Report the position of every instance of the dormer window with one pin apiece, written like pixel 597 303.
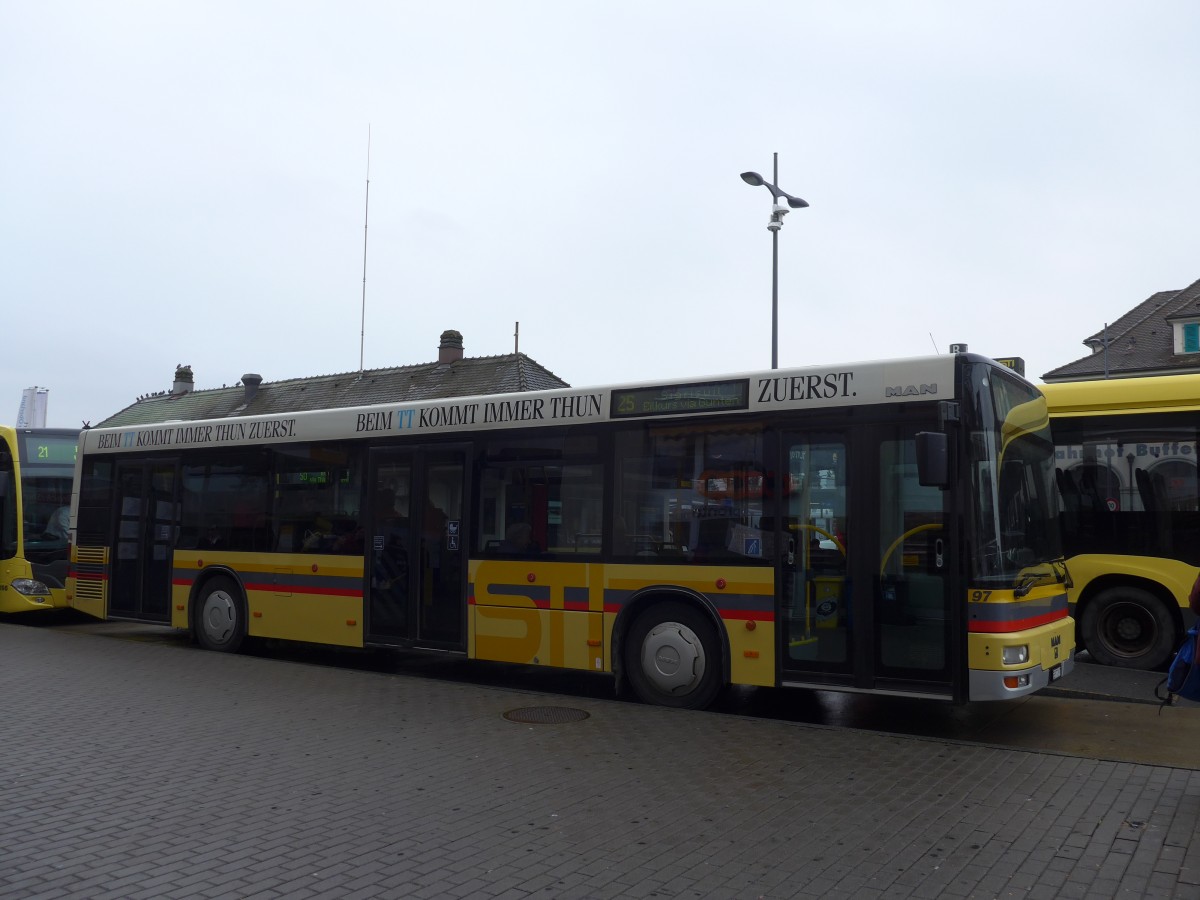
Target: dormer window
pixel 1187 337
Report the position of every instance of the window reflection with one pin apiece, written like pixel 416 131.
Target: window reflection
pixel 692 493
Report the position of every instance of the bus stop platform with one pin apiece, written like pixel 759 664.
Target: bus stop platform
pixel 143 769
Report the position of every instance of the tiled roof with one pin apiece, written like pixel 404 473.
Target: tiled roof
pixel 1141 342
pixel 425 381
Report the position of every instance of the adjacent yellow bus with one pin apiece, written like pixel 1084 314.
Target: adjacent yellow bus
pixel 883 527
pixel 1126 461
pixel 36 468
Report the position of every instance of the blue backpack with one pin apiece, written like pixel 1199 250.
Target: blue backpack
pixel 1183 675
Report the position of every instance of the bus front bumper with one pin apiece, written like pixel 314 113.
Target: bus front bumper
pixel 988 685
pixel 24 594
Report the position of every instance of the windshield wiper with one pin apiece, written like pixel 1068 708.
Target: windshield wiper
pixel 1030 580
pixel 1028 583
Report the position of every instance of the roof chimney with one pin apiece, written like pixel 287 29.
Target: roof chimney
pixel 251 382
pixel 451 348
pixel 183 381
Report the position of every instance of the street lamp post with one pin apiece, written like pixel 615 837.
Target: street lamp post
pixel 778 211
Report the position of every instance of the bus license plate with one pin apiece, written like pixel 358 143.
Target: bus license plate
pixel 1056 672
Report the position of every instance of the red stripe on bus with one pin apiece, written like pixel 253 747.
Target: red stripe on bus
pixel 614 608
pixel 297 589
pixel 1016 624
pixel 283 589
pixel 755 615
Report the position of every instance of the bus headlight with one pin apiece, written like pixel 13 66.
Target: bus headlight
pixel 1014 656
pixel 29 586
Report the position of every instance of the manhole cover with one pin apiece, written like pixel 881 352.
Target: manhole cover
pixel 545 715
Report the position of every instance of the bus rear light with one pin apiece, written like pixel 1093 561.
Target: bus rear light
pixel 1015 656
pixel 1013 682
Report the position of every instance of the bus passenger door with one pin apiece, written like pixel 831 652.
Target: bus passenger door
pixel 864 565
pixel 915 620
pixel 147 511
pixel 818 540
pixel 416 559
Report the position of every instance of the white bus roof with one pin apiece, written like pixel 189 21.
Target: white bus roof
pixel 822 387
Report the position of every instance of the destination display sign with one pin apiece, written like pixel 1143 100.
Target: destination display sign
pixel 48 449
pixel 678 399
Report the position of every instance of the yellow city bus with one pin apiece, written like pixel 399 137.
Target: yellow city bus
pixel 883 527
pixel 1126 453
pixel 36 468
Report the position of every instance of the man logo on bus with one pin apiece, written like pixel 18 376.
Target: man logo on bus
pixel 910 391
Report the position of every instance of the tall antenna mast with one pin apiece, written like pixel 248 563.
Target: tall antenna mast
pixel 362 335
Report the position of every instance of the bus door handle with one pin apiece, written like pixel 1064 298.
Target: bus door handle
pixel 939 553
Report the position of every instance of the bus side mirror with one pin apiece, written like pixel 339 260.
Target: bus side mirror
pixel 933 463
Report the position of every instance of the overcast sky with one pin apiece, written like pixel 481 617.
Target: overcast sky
pixel 186 183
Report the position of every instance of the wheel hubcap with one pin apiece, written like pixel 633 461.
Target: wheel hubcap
pixel 218 617
pixel 673 658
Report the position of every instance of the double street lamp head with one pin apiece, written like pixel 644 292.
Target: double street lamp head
pixel 773 225
pixel 755 180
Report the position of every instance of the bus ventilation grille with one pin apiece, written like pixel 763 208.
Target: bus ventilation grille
pixel 91 564
pixel 97 556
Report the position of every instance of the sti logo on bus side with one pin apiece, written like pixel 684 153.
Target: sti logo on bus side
pixel 910 391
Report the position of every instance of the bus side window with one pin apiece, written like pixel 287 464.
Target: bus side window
pixel 542 495
pixel 8 515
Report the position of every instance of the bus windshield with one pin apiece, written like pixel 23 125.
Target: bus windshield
pixel 47 469
pixel 36 477
pixel 1014 523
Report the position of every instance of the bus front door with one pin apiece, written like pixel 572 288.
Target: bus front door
pixel 147 511
pixel 866 566
pixel 415 578
pixel 916 623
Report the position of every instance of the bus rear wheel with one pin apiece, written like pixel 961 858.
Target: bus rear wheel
pixel 1128 627
pixel 221 617
pixel 673 658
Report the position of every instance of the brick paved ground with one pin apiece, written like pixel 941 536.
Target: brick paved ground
pixel 138 770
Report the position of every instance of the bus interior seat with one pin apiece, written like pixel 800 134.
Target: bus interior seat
pixel 1162 497
pixel 1089 489
pixel 1068 489
pixel 1146 490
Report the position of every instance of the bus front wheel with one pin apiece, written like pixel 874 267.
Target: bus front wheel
pixel 673 658
pixel 221 618
pixel 1128 627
